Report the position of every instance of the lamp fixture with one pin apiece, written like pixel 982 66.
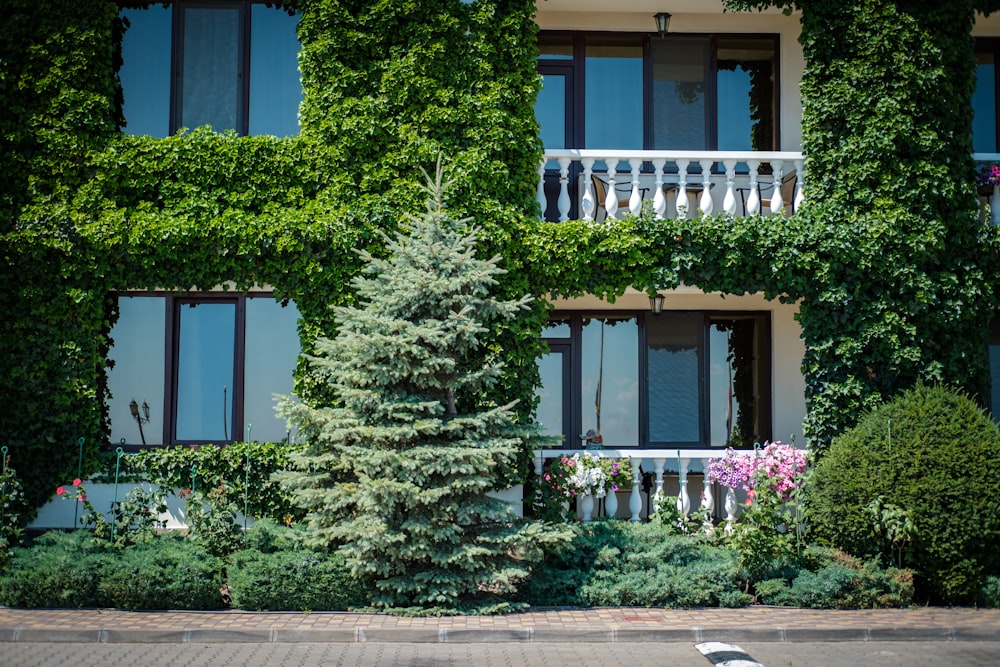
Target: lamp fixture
pixel 662 23
pixel 133 408
pixel 656 303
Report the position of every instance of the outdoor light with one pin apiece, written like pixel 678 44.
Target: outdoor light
pixel 133 407
pixel 656 304
pixel 662 25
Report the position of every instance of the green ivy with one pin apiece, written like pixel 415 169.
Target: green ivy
pixel 892 271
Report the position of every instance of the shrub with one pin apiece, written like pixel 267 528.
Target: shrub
pixel 930 459
pixel 989 594
pixel 170 572
pixel 58 570
pixel 833 580
pixel 293 581
pixel 618 563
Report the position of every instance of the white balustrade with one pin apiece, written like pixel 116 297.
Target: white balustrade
pixel 654 461
pixel 701 182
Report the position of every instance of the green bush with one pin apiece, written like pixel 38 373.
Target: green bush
pixel 930 459
pixel 58 570
pixel 170 572
pixel 834 580
pixel 619 563
pixel 76 570
pixel 989 594
pixel 292 581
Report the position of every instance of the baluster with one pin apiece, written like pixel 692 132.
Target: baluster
pixel 611 197
pixel 658 494
pixel 706 204
pixel 635 198
pixel 659 199
pixel 539 463
pixel 707 502
pixel 611 504
pixel 540 195
pixel 730 509
pixel 683 499
pixel 995 205
pixel 800 196
pixel 588 203
pixel 753 197
pixel 564 189
pixel 682 204
pixel 634 499
pixel 777 205
pixel 729 203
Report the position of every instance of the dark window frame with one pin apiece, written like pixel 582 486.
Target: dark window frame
pixel 572 348
pixel 172 305
pixel 176 56
pixel 576 115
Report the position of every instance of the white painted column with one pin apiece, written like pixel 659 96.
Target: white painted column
pixel 659 199
pixel 729 202
pixel 588 203
pixel 707 205
pixel 564 202
pixel 683 499
pixel 658 495
pixel 635 500
pixel 635 198
pixel 682 204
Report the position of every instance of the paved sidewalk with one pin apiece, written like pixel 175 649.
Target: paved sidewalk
pixel 621 624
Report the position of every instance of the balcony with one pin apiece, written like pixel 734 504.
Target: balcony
pixel 593 184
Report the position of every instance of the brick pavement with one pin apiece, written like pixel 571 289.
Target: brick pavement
pixel 597 625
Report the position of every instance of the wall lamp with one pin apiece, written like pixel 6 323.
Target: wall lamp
pixel 133 407
pixel 662 23
pixel 656 303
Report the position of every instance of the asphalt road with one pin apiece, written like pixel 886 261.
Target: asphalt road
pixel 514 654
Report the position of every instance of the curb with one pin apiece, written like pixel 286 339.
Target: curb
pixel 427 635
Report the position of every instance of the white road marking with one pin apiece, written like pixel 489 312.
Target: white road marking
pixel 726 655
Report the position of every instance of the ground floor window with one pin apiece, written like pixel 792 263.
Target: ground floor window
pixel 200 368
pixel 673 380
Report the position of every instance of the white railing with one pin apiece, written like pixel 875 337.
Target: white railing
pixel 678 173
pixel 658 462
pixel 993 199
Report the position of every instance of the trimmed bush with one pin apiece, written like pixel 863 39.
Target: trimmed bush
pixel 619 563
pixel 59 570
pixel 989 594
pixel 293 581
pixel 916 481
pixel 835 580
pixel 170 572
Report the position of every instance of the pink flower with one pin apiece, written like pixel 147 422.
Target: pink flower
pixel 77 482
pixel 82 498
pixel 60 490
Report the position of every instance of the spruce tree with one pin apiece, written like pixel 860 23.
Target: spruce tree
pixel 399 469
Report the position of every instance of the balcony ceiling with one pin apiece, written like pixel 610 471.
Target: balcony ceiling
pixel 631 6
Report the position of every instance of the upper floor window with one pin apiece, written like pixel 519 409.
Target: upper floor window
pixel 200 368
pixel 674 380
pixel 231 64
pixel 984 99
pixel 635 91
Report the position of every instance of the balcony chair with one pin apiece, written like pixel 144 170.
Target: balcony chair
pixel 788 182
pixel 601 193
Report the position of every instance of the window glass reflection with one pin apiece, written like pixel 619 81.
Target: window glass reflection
pixel 609 380
pixel 137 373
pixel 550 394
pixel 272 350
pixel 145 71
pixel 680 72
pixel 984 108
pixel 211 69
pixel 614 93
pixel 674 359
pixel 275 86
pixel 205 371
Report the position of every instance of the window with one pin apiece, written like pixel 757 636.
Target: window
pixel 200 368
pixel 674 380
pixel 984 99
pixel 634 91
pixel 233 65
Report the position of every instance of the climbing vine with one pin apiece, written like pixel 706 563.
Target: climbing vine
pixel 892 270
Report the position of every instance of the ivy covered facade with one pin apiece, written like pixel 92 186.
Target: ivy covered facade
pixel 884 271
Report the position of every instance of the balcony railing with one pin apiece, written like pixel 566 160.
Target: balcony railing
pixel 678 183
pixel 992 199
pixel 662 463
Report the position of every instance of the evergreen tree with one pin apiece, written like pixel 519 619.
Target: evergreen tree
pixel 399 470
